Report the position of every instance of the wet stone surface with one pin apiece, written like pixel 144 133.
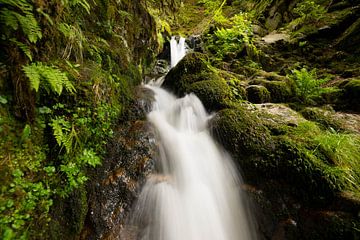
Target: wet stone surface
pixel 115 185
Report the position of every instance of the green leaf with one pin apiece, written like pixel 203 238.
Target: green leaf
pixel 26 132
pixel 3 100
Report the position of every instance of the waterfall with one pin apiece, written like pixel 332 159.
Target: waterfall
pixel 194 195
pixel 177 50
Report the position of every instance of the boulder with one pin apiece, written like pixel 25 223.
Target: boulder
pixel 214 94
pixel 192 68
pixel 257 94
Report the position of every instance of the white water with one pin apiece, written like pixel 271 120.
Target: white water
pixel 177 49
pixel 195 194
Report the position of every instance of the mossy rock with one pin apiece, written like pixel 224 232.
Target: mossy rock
pixel 280 91
pixel 214 94
pixel 323 117
pixel 192 68
pixel 257 94
pixel 242 134
pixel 68 215
pixel 349 40
pixel 351 94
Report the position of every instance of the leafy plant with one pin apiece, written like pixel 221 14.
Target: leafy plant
pixel 309 11
pixel 74 40
pixel 53 77
pixel 307 85
pixel 18 14
pixel 64 133
pixel 234 39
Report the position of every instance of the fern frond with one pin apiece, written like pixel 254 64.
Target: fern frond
pixel 23 47
pixel 52 75
pixel 30 27
pixel 62 133
pixel 8 18
pixel 83 3
pixel 34 76
pixel 22 16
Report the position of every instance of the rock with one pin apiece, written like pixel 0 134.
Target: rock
pixel 325 118
pixel 330 225
pixel 279 114
pixel 214 94
pixel 275 37
pixel 241 132
pixel 350 39
pixel 259 30
pixel 195 42
pixel 192 68
pixel 161 67
pixel 257 94
pixel 274 21
pixel 351 94
pixel 280 91
pixel 119 179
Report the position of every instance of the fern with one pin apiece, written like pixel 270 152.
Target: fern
pixel 20 13
pixel 82 3
pixel 37 72
pixel 23 47
pixel 63 132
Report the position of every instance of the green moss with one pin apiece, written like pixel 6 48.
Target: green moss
pixel 192 68
pixel 280 91
pixel 323 117
pixel 213 94
pixel 328 159
pixel 242 133
pixel 257 94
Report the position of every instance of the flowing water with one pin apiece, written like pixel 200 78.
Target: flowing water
pixel 177 49
pixel 195 193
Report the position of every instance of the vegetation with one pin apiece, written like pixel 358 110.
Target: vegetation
pixel 66 76
pixel 307 86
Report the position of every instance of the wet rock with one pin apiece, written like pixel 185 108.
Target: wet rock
pixel 161 68
pixel 257 94
pixel 195 42
pixel 116 184
pixel 214 94
pixel 192 68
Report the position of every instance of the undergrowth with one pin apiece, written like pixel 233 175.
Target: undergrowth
pixel 66 77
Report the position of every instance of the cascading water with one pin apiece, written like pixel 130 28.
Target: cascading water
pixel 177 49
pixel 195 194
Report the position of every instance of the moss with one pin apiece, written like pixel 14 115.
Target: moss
pixel 322 117
pixel 280 91
pixel 192 68
pixel 69 216
pixel 315 162
pixel 257 94
pixel 213 94
pixel 242 134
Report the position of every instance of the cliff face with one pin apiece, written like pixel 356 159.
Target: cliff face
pixel 67 80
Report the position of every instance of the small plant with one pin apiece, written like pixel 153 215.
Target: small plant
pixel 309 11
pixel 234 39
pixel 308 85
pixel 54 78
